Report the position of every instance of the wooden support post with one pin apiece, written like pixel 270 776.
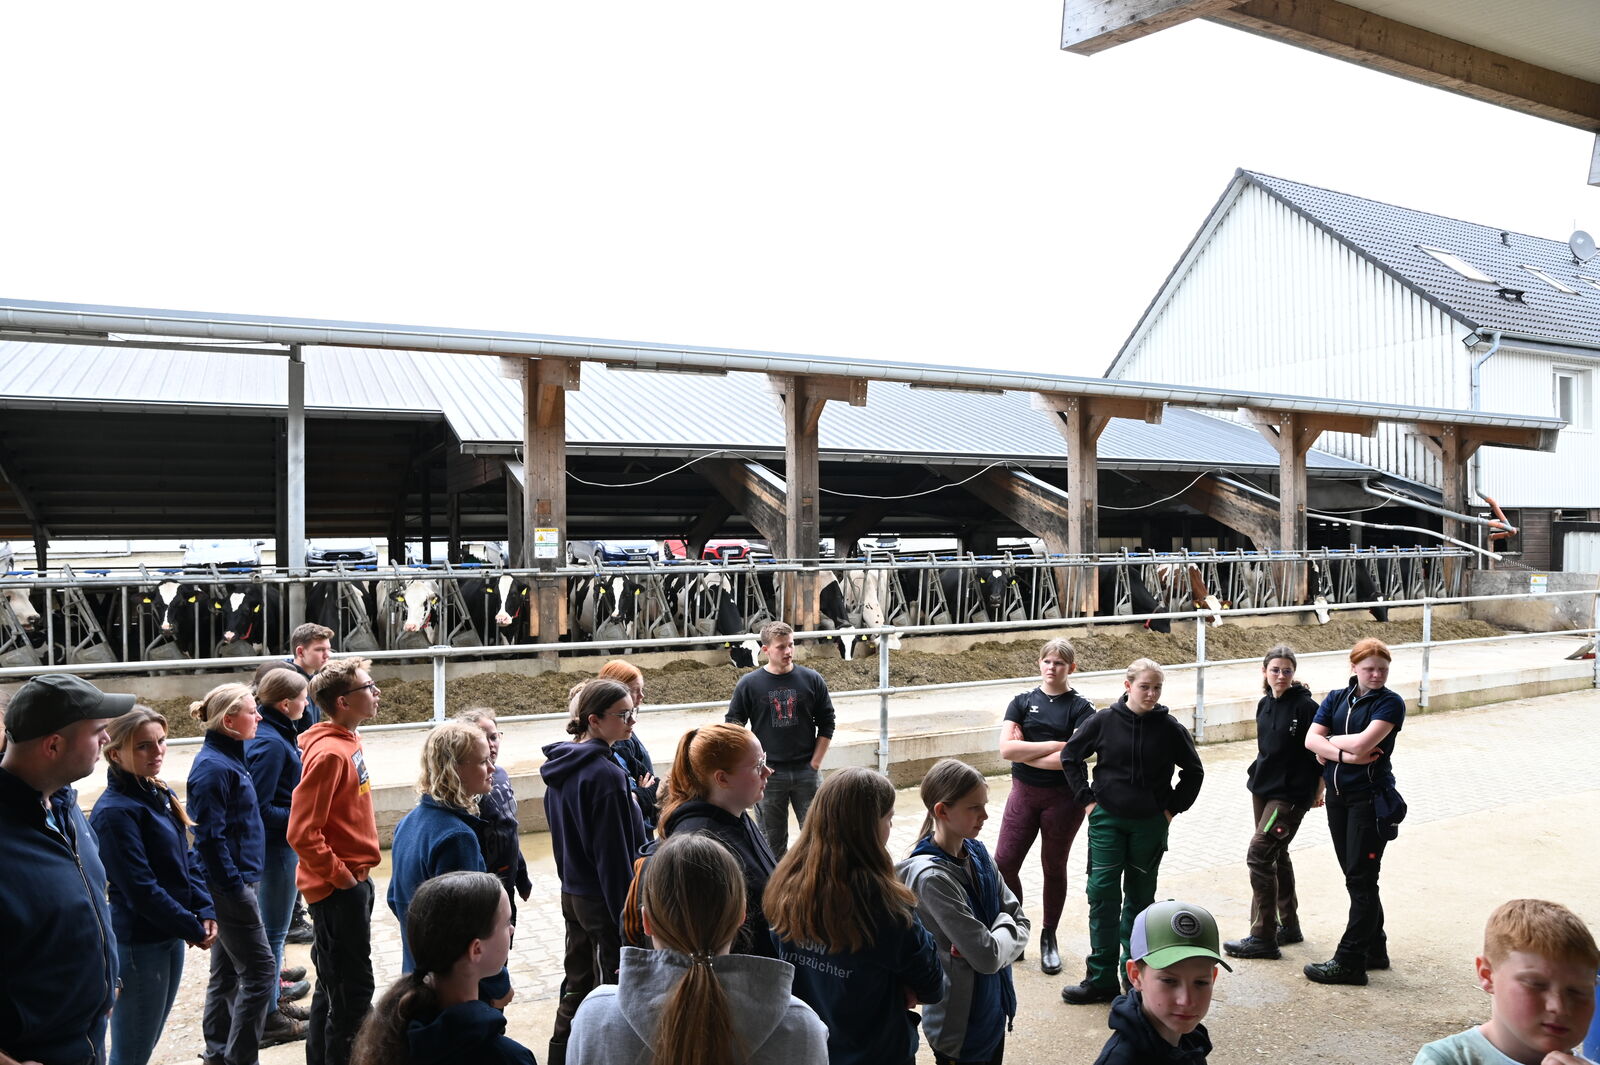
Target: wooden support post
pixel 517 547
pixel 803 399
pixel 1453 446
pixel 705 527
pixel 1081 420
pixel 1238 510
pixel 754 491
pixel 545 383
pixel 452 512
pixel 1039 507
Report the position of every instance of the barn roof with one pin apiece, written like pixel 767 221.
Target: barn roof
pixel 614 412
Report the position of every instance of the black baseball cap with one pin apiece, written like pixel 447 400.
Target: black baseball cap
pixel 50 703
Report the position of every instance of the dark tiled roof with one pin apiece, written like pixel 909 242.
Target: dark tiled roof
pixel 1389 235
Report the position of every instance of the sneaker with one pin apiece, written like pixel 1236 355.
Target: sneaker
pixel 1086 994
pixel 294 974
pixel 294 992
pixel 1289 934
pixel 289 1009
pixel 281 1029
pixel 1331 972
pixel 1049 956
pixel 1251 947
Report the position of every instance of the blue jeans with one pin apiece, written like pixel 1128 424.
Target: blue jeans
pixel 277 892
pixel 150 974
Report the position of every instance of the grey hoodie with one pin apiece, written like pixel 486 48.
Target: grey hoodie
pixel 616 1024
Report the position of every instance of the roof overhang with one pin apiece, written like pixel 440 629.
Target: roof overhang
pixel 1539 57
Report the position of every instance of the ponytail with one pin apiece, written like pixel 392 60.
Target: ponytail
pixel 383 1038
pixel 120 731
pixel 695 897
pixel 701 753
pixel 947 782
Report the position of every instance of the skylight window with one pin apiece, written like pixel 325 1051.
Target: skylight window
pixel 1458 264
pixel 1547 279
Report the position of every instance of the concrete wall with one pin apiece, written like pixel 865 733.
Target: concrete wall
pixel 1533 612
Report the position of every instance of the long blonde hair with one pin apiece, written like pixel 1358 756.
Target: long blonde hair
pixel 837 881
pixel 121 730
pixel 218 702
pixel 446 747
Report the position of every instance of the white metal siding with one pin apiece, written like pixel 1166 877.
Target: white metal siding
pixel 1274 304
pixel 1580 552
pixel 1518 382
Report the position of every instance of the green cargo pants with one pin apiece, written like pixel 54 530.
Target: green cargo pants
pixel 1124 856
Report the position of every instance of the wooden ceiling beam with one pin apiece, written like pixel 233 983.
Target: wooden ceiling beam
pixel 1346 32
pixel 1090 26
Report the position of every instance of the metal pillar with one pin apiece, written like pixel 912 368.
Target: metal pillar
pixel 295 494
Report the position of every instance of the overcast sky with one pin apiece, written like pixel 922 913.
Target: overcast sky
pixel 932 181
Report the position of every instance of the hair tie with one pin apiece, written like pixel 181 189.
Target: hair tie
pixel 701 957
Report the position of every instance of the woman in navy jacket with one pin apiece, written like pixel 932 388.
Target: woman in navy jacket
pixel 243 992
pixel 1354 735
pixel 273 756
pixel 159 900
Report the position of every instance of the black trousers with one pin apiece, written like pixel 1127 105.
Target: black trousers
pixel 996 1058
pixel 1359 847
pixel 594 953
pixel 342 955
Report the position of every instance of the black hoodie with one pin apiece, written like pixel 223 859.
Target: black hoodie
pixel 1136 756
pixel 1283 768
pixel 741 836
pixel 472 1031
pixel 1134 1039
pixel 595 826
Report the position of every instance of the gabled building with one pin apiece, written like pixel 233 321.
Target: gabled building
pixel 1297 289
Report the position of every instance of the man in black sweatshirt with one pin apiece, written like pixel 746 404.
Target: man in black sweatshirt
pixel 789 709
pixel 1138 744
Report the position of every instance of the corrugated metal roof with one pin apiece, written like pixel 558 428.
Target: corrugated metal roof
pixel 1390 236
pixel 617 411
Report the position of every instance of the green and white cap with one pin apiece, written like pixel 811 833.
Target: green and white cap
pixel 1168 932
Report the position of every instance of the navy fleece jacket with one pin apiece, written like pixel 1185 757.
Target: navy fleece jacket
pixel 274 760
pixel 222 803
pixel 472 1031
pixel 158 892
pixel 596 828
pixel 58 954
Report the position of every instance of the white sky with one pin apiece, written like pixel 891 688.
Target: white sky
pixel 932 181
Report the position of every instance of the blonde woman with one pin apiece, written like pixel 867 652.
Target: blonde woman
pixel 441 833
pixel 242 996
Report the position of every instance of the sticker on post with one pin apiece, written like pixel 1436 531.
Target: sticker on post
pixel 545 542
pixel 1538 583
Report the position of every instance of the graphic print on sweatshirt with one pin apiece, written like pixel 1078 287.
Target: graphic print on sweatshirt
pixel 783 703
pixel 363 781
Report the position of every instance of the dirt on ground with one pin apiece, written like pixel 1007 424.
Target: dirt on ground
pixel 689 681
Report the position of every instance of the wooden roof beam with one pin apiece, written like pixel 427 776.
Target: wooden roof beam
pixel 1090 26
pixel 1350 33
pixel 1475 436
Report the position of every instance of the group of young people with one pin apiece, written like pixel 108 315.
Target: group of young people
pixel 694 932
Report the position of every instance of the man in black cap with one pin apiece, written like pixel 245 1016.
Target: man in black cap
pixel 58 968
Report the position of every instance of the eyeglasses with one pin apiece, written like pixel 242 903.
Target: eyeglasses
pixel 761 765
pixel 630 716
pixel 371 686
pixel 496 736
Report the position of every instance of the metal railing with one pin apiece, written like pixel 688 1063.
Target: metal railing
pixel 440 655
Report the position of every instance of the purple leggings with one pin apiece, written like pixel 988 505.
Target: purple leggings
pixel 1031 810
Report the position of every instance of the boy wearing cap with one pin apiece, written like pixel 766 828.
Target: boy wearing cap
pixel 1174 950
pixel 58 968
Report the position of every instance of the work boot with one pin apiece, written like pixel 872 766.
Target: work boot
pixel 299 925
pixel 1332 972
pixel 294 992
pixel 1049 956
pixel 281 1028
pixel 290 1009
pixel 293 974
pixel 1378 959
pixel 1086 994
pixel 1251 947
pixel 1289 934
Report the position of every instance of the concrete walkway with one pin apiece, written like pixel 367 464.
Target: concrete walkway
pixel 1503 802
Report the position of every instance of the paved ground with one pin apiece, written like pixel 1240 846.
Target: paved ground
pixel 1503 803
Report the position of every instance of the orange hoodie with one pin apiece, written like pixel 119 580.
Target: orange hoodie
pixel 331 825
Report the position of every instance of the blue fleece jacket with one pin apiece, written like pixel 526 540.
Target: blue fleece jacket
pixel 274 760
pixel 222 803
pixel 58 953
pixel 433 838
pixel 596 828
pixel 860 995
pixel 158 892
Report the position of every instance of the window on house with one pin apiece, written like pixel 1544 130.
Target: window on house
pixel 1458 264
pixel 1572 397
pixel 1547 279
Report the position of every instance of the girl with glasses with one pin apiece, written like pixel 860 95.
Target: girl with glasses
pixel 596 829
pixel 631 753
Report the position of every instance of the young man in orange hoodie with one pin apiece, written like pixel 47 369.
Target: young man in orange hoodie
pixel 332 830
